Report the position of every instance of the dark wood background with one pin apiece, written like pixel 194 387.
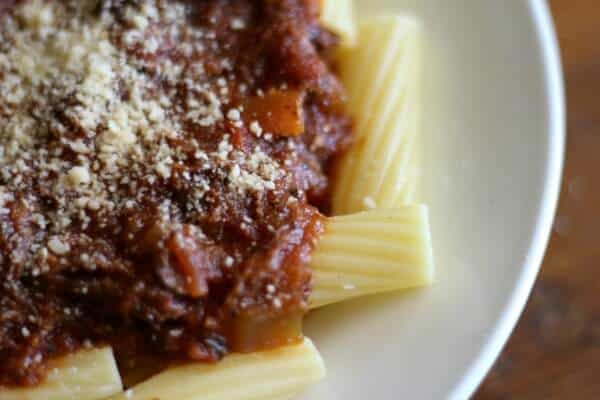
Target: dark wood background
pixel 554 353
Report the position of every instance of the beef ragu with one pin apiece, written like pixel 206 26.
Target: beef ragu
pixel 163 173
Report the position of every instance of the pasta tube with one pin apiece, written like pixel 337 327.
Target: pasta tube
pixel 371 252
pixel 381 76
pixel 85 375
pixel 410 192
pixel 338 15
pixel 274 374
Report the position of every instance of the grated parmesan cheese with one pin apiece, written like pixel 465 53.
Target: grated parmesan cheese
pixel 58 247
pixel 100 128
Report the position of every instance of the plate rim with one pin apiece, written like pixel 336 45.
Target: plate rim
pixel 545 34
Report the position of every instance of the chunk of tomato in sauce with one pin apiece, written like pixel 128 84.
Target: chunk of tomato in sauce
pixel 277 111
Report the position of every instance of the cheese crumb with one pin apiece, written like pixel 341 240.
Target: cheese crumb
pixel 58 247
pixel 79 176
pixel 163 170
pixel 234 114
pixel 237 24
pixel 255 128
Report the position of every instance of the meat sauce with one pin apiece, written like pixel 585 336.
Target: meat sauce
pixel 163 176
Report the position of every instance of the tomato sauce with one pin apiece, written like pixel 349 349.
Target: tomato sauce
pixel 165 197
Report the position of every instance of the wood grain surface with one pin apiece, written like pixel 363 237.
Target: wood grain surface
pixel 554 353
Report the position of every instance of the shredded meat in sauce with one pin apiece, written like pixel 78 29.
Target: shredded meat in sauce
pixel 163 175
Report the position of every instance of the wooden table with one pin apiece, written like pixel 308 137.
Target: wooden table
pixel 554 353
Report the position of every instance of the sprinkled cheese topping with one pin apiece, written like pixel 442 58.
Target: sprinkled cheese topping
pixel 90 117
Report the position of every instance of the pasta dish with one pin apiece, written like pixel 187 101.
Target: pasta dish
pixel 182 181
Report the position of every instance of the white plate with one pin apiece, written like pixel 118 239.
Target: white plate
pixel 494 132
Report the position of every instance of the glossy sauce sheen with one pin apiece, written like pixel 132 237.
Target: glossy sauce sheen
pixel 155 273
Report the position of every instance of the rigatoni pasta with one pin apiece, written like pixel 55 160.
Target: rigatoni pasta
pixel 338 15
pixel 275 374
pixel 410 193
pixel 372 252
pixel 85 375
pixel 383 88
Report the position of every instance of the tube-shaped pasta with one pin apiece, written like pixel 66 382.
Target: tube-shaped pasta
pixel 274 374
pixel 371 252
pixel 338 15
pixel 381 76
pixel 85 375
pixel 410 191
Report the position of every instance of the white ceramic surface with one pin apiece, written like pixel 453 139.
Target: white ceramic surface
pixel 494 133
